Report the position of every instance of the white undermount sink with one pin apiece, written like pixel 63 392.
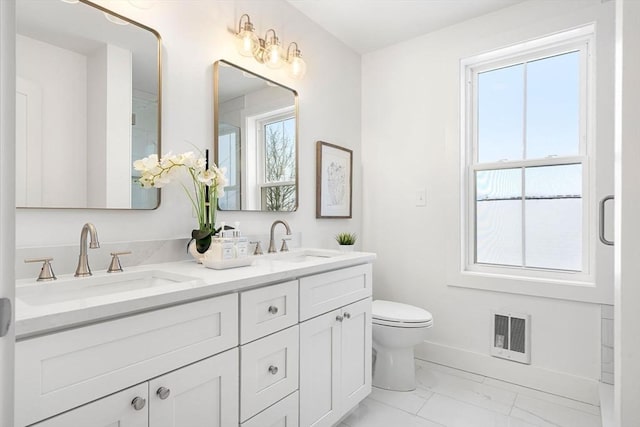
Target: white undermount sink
pixel 305 255
pixel 76 288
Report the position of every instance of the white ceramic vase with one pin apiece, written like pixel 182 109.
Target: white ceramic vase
pixel 194 252
pixel 346 248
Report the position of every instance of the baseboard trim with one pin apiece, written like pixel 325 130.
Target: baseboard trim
pixel 562 384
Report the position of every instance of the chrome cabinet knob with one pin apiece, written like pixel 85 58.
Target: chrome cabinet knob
pixel 138 403
pixel 273 309
pixel 339 318
pixel 163 393
pixel 347 315
pixel 273 370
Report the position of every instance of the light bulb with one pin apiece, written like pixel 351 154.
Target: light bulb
pixel 272 56
pixel 247 43
pixel 297 67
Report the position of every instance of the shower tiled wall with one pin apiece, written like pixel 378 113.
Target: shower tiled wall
pixel 606 374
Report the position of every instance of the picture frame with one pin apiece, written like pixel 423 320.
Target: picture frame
pixel 334 181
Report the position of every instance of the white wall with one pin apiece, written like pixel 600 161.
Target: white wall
pixel 627 233
pixel 7 198
pixel 109 100
pixel 195 34
pixel 61 75
pixel 411 141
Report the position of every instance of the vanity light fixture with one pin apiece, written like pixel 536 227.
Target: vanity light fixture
pixel 297 66
pixel 247 41
pixel 268 50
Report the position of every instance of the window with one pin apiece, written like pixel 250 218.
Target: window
pixel 527 158
pixel 277 163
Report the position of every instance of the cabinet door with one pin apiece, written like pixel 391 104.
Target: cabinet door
pixel 355 382
pixel 204 394
pixel 115 410
pixel 320 370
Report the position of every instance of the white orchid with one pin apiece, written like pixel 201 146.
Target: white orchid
pixel 207 183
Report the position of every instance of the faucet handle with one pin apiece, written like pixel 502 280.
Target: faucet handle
pixel 258 249
pixel 284 247
pixel 46 272
pixel 115 265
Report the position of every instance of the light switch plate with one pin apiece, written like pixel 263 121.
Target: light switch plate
pixel 421 197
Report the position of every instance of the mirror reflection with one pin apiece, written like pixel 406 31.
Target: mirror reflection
pixel 87 105
pixel 256 139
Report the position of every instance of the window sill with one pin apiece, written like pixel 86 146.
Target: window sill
pixel 537 287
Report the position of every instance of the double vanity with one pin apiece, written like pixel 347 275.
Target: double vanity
pixel 283 342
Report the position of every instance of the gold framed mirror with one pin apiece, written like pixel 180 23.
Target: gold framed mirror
pixel 256 140
pixel 88 103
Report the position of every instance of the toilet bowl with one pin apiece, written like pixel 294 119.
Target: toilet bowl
pixel 397 329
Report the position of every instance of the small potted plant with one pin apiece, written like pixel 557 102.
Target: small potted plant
pixel 346 241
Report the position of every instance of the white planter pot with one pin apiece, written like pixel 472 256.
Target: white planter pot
pixel 346 248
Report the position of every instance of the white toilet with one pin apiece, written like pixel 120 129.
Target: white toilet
pixel 397 328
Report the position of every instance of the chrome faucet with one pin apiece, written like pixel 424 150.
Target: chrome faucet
pixel 83 262
pixel 272 244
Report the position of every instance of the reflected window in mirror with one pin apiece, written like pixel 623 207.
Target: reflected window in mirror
pixel 276 162
pixel 256 140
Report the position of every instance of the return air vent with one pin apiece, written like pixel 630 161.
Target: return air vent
pixel 510 337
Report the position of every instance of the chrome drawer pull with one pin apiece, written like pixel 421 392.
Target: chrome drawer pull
pixel 347 315
pixel 273 370
pixel 138 403
pixel 273 309
pixel 163 393
pixel 339 318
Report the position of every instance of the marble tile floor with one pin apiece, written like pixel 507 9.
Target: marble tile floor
pixel 447 397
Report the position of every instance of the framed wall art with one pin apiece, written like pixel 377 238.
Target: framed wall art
pixel 334 173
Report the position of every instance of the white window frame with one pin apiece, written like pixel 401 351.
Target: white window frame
pixel 255 163
pixel 527 280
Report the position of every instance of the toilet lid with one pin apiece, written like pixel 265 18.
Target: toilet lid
pixel 396 312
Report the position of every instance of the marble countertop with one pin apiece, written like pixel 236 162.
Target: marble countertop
pixel 37 318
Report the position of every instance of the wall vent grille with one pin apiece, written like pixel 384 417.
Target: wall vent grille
pixel 510 336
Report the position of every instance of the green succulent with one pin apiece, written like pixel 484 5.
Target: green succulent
pixel 346 238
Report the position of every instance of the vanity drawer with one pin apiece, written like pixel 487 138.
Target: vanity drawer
pixel 267 310
pixel 324 292
pixel 66 369
pixel 268 371
pixel 281 414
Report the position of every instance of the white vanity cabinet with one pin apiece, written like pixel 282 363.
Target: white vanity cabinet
pixel 335 346
pixel 63 370
pixel 293 350
pixel 201 394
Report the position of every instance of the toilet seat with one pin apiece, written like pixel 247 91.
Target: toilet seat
pixel 395 314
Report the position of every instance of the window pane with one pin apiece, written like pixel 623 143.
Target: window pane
pixel 279 150
pixel 553 97
pixel 499 217
pixel 553 212
pixel 500 114
pixel 279 198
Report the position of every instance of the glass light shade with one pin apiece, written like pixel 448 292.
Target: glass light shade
pixel 115 19
pixel 272 56
pixel 297 67
pixel 247 42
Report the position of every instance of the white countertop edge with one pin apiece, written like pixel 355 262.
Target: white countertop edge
pixel 38 320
